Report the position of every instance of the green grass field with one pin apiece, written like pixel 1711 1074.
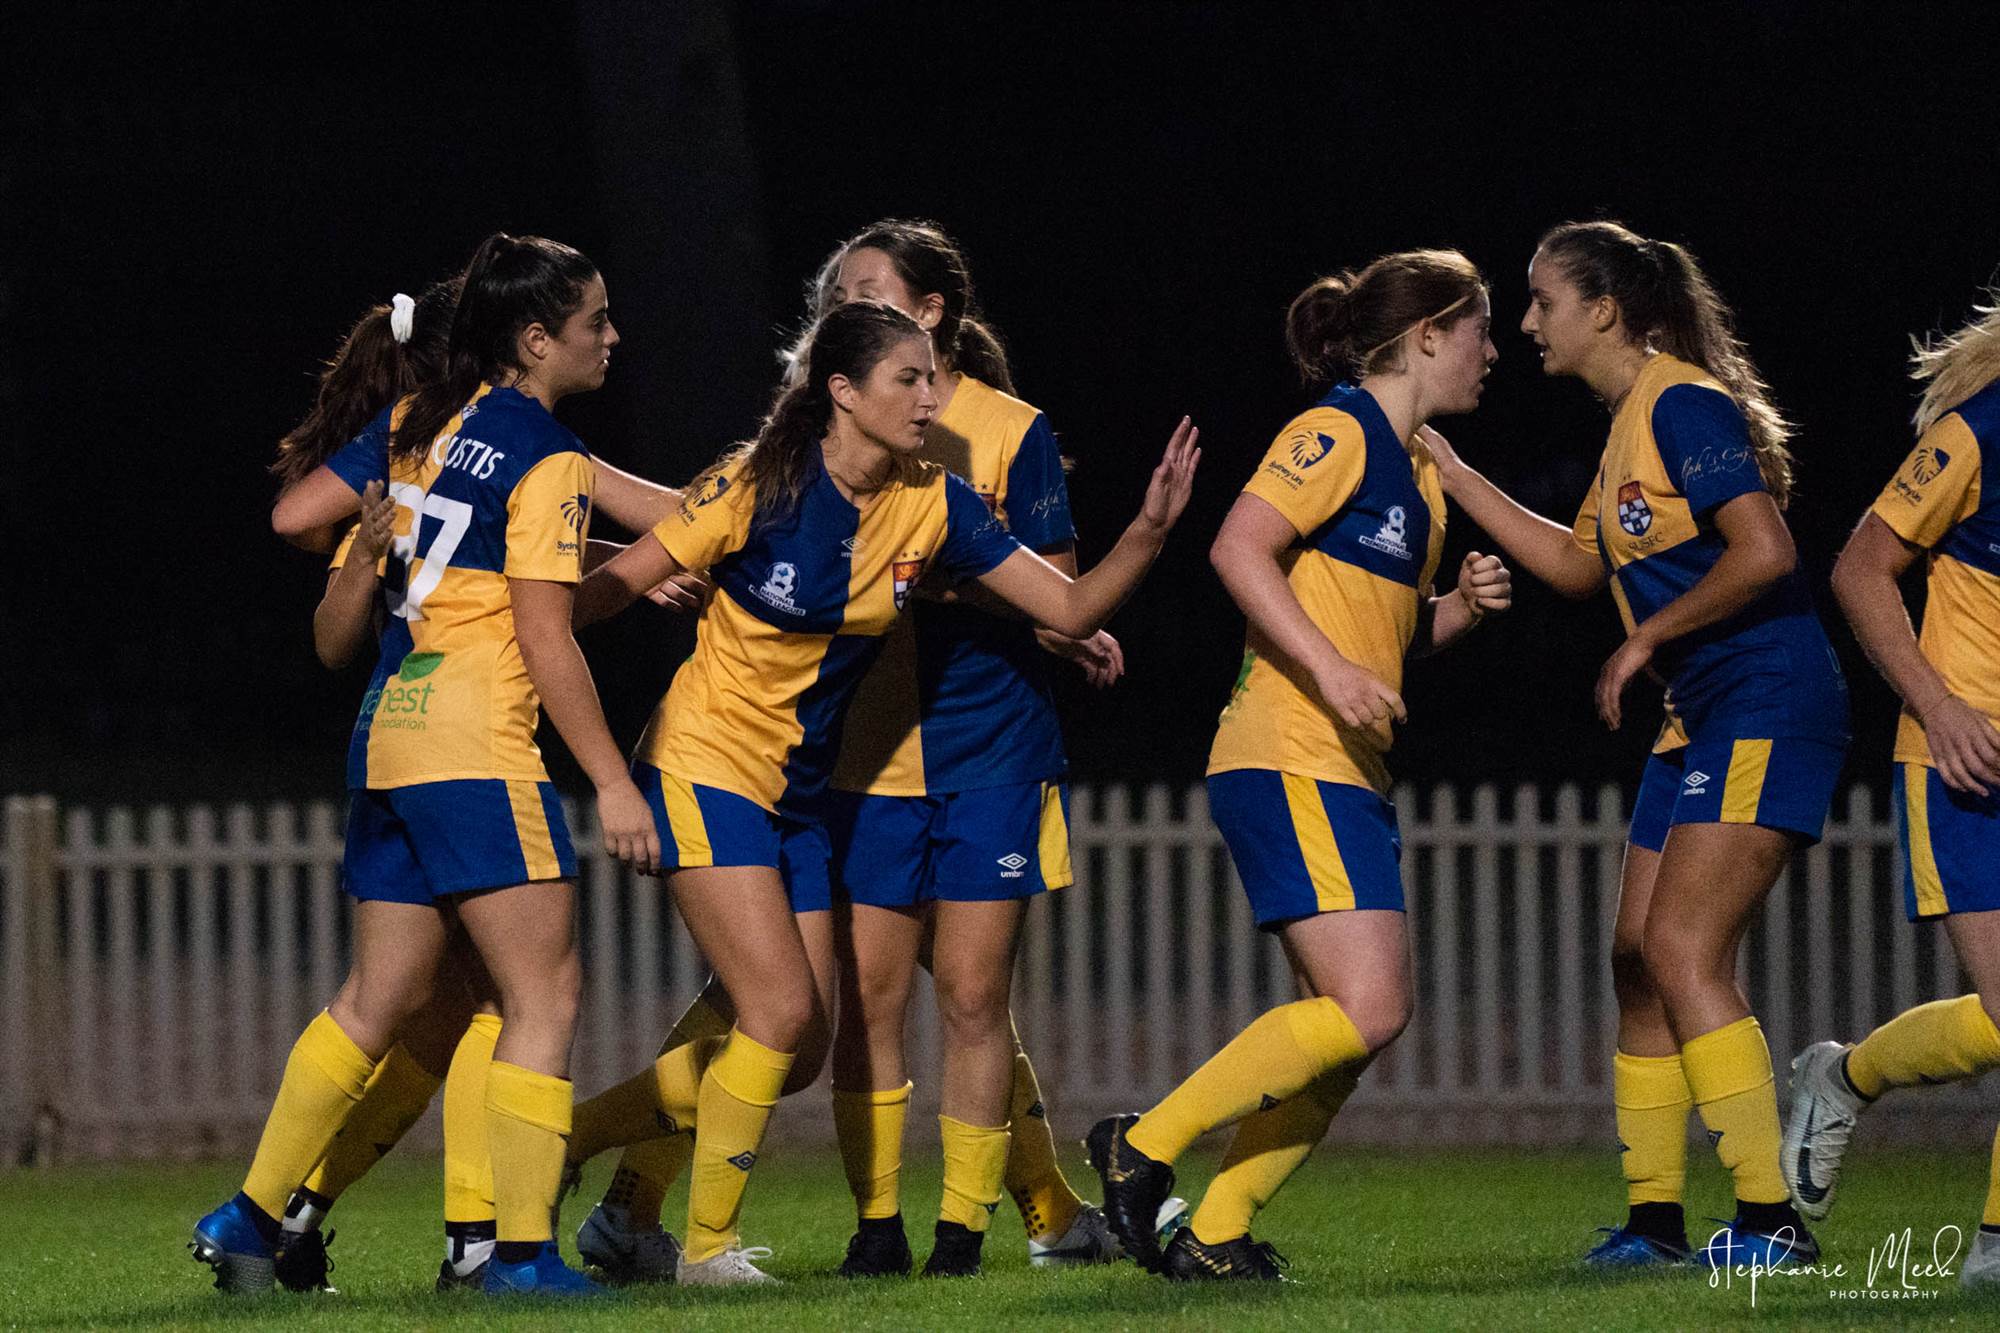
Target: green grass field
pixel 1376 1239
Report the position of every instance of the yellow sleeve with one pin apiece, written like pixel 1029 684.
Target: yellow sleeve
pixel 1584 531
pixel 548 519
pixel 1312 468
pixel 711 522
pixel 1936 488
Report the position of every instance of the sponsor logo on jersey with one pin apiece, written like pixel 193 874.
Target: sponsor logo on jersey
pixel 1929 465
pixel 1390 538
pixel 1013 865
pixel 1695 783
pixel 399 703
pixel 778 587
pixel 1634 514
pixel 906 574
pixel 1309 449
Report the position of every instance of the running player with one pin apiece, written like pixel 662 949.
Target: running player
pixel 816 534
pixel 453 813
pixel 1944 504
pixel 1330 551
pixel 1685 523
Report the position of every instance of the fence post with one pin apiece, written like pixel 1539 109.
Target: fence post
pixel 32 960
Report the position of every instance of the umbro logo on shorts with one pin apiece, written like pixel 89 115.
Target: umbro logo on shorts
pixel 1011 865
pixel 1695 783
pixel 743 1161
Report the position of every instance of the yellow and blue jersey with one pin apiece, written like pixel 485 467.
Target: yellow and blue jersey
pixel 1369 512
pixel 1946 499
pixel 1679 450
pixel 801 605
pixel 960 699
pixel 504 492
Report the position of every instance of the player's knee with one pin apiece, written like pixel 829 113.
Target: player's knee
pixel 1381 1019
pixel 546 997
pixel 778 1016
pixel 974 1006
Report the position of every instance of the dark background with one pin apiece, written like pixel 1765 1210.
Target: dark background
pixel 196 201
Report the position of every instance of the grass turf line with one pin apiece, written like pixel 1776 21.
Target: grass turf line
pixel 1435 1240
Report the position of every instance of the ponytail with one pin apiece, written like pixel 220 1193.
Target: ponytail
pixel 1953 367
pixel 1667 302
pixel 509 284
pixel 980 354
pixel 1353 324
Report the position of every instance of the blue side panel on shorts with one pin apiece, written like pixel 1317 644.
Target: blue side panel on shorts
pixel 1653 810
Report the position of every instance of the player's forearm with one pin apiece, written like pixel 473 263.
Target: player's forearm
pixel 1267 601
pixel 1874 608
pixel 557 670
pixel 1090 599
pixel 1544 547
pixel 631 501
pixel 344 617
pixel 1445 621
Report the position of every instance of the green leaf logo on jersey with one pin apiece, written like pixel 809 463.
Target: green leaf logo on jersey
pixel 1242 682
pixel 418 665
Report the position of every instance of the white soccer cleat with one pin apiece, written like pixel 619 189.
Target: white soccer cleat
pixel 1982 1262
pixel 731 1268
pixel 624 1256
pixel 1090 1239
pixel 1824 1112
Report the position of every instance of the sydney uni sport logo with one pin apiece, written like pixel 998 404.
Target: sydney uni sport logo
pixel 1307 450
pixel 576 511
pixel 1929 465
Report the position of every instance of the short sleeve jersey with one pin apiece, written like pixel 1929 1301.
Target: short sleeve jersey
pixel 801 606
pixel 504 492
pixel 364 458
pixel 1946 499
pixel 1680 450
pixel 960 698
pixel 1369 513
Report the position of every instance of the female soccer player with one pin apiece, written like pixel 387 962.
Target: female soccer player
pixel 1685 523
pixel 452 811
pixel 1943 503
pixel 1330 551
pixel 815 536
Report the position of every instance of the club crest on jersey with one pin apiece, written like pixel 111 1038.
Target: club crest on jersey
pixel 1391 537
pixel 1930 465
pixel 1634 514
pixel 906 573
pixel 778 587
pixel 1309 450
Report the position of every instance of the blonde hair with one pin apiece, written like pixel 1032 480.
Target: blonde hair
pixel 1954 366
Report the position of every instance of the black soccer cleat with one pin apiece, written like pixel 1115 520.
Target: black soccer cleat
pixel 879 1248
pixel 303 1263
pixel 449 1279
pixel 1134 1188
pixel 955 1252
pixel 1188 1260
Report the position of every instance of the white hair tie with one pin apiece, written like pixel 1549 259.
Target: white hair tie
pixel 402 317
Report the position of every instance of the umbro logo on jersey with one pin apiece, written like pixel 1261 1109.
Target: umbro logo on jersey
pixel 1390 538
pixel 851 545
pixel 1695 783
pixel 1012 865
pixel 1634 514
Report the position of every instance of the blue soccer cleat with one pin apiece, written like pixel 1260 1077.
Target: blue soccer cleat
pixel 544 1275
pixel 229 1241
pixel 1735 1243
pixel 1629 1249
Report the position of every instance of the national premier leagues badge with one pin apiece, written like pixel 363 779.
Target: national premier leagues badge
pixel 1634 514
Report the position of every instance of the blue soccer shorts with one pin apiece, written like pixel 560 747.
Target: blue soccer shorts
pixel 1303 847
pixel 1951 845
pixel 427 841
pixel 988 845
pixel 703 826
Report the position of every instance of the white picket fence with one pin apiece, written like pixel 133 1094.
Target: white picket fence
pixel 155 967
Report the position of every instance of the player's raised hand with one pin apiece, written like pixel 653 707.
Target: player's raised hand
pixel 1357 697
pixel 377 525
pixel 1632 657
pixel 1964 746
pixel 1485 583
pixel 1173 480
pixel 682 592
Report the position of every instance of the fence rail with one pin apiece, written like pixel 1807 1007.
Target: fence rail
pixel 156 966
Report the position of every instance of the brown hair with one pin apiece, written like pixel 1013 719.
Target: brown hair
pixel 1667 302
pixel 1349 324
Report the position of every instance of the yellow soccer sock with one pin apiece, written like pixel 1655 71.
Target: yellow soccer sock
pixel 975 1162
pixel 1991 1217
pixel 660 1099
pixel 1652 1100
pixel 1940 1042
pixel 1048 1205
pixel 870 1128
pixel 737 1094
pixel 1270 1060
pixel 1269 1145
pixel 325 1076
pixel 468 1165
pixel 645 1172
pixel 527 1119
pixel 1729 1073
pixel 397 1095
